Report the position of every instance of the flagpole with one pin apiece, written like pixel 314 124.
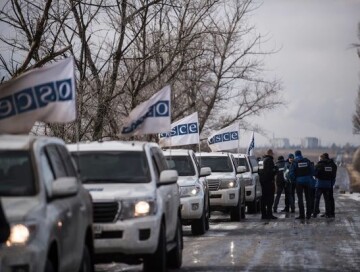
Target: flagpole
pixel 238 148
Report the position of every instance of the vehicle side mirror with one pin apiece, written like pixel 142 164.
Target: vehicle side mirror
pixel 205 171
pixel 65 186
pixel 168 177
pixel 255 169
pixel 240 169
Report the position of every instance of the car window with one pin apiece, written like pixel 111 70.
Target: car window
pixel 66 158
pixel 242 162
pixel 56 161
pixel 47 173
pixel 16 174
pixel 253 162
pixel 183 164
pixel 217 164
pixel 196 162
pixel 112 166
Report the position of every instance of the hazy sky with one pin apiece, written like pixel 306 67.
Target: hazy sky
pixel 317 66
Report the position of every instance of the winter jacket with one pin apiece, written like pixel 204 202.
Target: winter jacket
pixel 280 164
pixel 302 171
pixel 325 173
pixel 267 174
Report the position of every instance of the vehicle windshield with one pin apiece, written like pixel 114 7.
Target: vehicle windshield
pixel 112 167
pixel 16 174
pixel 182 164
pixel 217 164
pixel 242 162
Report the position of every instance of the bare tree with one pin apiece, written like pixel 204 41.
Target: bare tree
pixel 356 116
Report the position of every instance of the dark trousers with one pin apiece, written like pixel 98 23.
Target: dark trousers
pixel 326 192
pixel 289 199
pixel 279 189
pixel 267 201
pixel 301 190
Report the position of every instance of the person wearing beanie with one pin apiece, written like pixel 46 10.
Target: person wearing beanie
pixel 267 182
pixel 302 171
pixel 280 184
pixel 325 173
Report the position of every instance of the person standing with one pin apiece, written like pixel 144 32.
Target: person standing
pixel 290 185
pixel 280 184
pixel 4 226
pixel 301 171
pixel 267 175
pixel 325 173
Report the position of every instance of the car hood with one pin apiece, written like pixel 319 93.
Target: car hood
pixel 187 180
pixel 114 192
pixel 220 175
pixel 17 209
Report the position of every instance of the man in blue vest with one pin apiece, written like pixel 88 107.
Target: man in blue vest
pixel 325 173
pixel 302 171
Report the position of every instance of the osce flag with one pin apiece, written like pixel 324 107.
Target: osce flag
pixel 250 150
pixel 183 132
pixel 151 116
pixel 224 139
pixel 44 94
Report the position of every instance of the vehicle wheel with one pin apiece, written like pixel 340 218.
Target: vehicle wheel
pixel 253 205
pixel 49 267
pixel 157 261
pixel 175 255
pixel 207 222
pixel 235 212
pixel 198 226
pixel 243 211
pixel 86 262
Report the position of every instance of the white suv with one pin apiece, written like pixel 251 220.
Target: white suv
pixel 194 193
pixel 49 211
pixel 136 203
pixel 250 177
pixel 227 192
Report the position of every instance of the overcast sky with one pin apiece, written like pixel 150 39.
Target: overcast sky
pixel 317 66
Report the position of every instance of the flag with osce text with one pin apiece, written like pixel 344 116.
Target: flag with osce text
pixel 250 150
pixel 43 94
pixel 225 139
pixel 183 132
pixel 151 116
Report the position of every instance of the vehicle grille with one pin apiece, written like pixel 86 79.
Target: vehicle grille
pixel 105 211
pixel 213 185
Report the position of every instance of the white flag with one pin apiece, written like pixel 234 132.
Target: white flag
pixel 183 132
pixel 250 150
pixel 224 139
pixel 151 116
pixel 44 94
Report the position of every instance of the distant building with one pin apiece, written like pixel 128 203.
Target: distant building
pixel 280 143
pixel 310 142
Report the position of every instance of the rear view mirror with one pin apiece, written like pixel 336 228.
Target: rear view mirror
pixel 205 171
pixel 241 169
pixel 168 177
pixel 65 186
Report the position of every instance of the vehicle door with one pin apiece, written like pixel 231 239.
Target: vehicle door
pixel 169 193
pixel 202 180
pixel 254 166
pixel 70 246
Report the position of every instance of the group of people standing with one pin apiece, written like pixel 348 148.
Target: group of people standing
pixel 297 174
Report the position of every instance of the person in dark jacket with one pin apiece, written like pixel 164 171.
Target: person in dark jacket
pixel 4 226
pixel 280 184
pixel 290 185
pixel 325 173
pixel 302 171
pixel 267 175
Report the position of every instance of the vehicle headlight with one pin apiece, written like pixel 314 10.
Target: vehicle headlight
pixel 186 191
pixel 20 234
pixel 227 184
pixel 137 208
pixel 247 181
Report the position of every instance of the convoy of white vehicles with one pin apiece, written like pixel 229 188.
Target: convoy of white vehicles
pixel 113 201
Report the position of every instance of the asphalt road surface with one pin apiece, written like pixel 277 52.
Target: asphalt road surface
pixel 285 244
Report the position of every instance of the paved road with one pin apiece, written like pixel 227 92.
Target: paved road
pixel 285 244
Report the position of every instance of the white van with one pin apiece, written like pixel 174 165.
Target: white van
pixel 136 203
pixel 194 193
